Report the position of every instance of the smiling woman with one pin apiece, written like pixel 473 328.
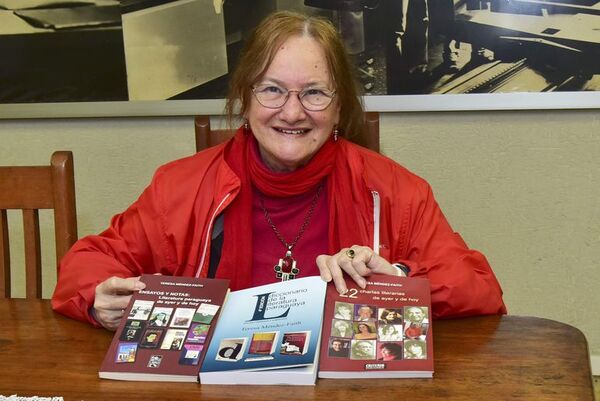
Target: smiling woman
pixel 287 197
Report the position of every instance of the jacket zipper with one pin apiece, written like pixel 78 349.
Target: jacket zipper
pixel 376 220
pixel 208 233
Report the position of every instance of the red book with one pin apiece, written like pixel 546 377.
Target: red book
pixel 383 330
pixel 163 333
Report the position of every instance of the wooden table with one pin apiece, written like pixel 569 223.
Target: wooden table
pixel 485 358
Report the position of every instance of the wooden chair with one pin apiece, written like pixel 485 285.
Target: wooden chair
pixel 31 188
pixel 207 137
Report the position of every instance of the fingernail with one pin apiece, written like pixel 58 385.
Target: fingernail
pixel 362 283
pixel 342 292
pixel 139 285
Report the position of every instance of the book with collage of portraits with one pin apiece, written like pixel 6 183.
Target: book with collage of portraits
pixel 383 330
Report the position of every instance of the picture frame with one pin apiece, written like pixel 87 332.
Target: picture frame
pixel 400 48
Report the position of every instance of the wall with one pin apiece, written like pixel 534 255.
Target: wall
pixel 523 187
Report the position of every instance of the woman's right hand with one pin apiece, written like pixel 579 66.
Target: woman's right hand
pixel 112 297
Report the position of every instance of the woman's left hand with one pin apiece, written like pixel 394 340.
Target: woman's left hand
pixel 358 262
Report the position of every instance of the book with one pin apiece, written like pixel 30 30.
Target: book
pixel 164 330
pixel 268 335
pixel 189 329
pixel 381 331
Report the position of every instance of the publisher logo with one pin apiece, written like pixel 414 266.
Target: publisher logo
pixel 374 366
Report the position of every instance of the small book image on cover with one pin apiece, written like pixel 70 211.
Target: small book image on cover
pixel 132 332
pixel 154 361
pixel 295 343
pixel 140 310
pixel 126 353
pixel 231 349
pixel 183 317
pixel 160 317
pixel 152 338
pixel 190 354
pixel 205 313
pixel 173 339
pixel 197 333
pixel 263 343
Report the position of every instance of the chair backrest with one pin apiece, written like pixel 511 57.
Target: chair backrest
pixel 207 137
pixel 31 188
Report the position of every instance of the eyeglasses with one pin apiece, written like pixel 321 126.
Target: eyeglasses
pixel 312 99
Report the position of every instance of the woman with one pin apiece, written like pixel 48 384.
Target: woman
pixel 341 328
pixel 390 351
pixel 415 350
pixel 389 332
pixel 365 332
pixel 313 199
pixel 390 316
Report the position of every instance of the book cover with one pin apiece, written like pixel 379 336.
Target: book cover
pixel 165 327
pixel 383 330
pixel 268 335
pixel 263 343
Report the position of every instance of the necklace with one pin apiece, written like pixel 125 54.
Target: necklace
pixel 286 269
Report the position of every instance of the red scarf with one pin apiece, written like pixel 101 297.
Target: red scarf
pixel 350 218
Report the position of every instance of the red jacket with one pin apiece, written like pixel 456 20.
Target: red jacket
pixel 167 230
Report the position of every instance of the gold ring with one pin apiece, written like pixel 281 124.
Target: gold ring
pixel 350 253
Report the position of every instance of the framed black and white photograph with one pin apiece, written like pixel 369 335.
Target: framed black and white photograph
pixel 71 58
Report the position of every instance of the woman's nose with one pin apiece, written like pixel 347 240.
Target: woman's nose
pixel 292 111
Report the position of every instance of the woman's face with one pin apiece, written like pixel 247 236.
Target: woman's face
pixel 363 328
pixel 288 137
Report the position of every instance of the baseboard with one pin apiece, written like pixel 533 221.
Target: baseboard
pixel 595 365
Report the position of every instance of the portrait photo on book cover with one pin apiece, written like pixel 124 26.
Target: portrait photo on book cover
pixel 389 332
pixel 363 349
pixel 365 330
pixel 343 310
pixel 390 316
pixel 342 328
pixel 339 348
pixel 364 313
pixel 389 351
pixel 416 322
pixel 415 349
